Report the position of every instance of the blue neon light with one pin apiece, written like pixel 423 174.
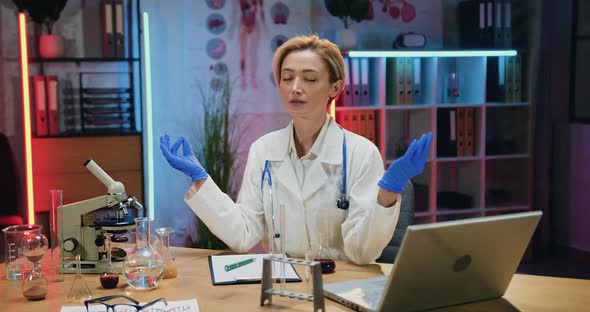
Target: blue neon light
pixel 455 53
pixel 149 147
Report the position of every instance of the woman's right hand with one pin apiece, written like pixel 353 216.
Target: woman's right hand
pixel 187 163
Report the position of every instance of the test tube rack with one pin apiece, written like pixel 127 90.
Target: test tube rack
pixel 267 291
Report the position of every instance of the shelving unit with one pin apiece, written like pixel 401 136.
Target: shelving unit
pixel 57 158
pixel 496 177
pixel 68 70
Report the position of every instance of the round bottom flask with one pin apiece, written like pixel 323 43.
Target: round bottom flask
pixel 143 268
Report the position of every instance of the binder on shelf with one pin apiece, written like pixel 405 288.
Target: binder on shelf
pixel 345 120
pixel 354 122
pixel 488 40
pixel 476 24
pixel 371 127
pixel 408 80
pixel 39 92
pixel 108 34
pixel 51 86
pixel 362 127
pixel 495 79
pixel 469 131
pixel 507 29
pixel 517 81
pixel 446 140
pixel 345 97
pixel 365 83
pixel 509 79
pixel 498 28
pixel 355 79
pixel 392 81
pixel 119 19
pixel 461 127
pixel 417 85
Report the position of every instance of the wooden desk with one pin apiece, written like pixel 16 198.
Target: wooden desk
pixel 526 292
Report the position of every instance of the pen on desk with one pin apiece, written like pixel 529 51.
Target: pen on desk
pixel 238 264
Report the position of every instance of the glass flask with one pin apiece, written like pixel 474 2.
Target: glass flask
pixel 324 255
pixel 109 278
pixel 79 289
pixel 170 267
pixel 143 267
pixel 34 247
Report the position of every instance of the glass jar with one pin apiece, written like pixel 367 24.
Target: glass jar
pixel 143 267
pixel 17 266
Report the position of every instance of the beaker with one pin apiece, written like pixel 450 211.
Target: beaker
pixel 17 266
pixel 170 270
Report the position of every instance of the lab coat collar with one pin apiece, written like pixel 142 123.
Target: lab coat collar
pixel 329 152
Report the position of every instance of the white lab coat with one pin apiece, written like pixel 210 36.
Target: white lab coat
pixel 358 234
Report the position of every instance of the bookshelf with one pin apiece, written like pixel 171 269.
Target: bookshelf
pixel 110 68
pixel 494 175
pixel 56 157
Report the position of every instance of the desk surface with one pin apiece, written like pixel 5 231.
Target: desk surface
pixel 526 292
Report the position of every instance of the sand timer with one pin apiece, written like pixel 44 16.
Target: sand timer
pixel 34 247
pixel 109 278
pixel 170 267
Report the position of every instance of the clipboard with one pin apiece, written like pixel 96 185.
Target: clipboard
pixel 247 274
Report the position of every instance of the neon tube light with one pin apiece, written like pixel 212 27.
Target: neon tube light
pixel 457 53
pixel 148 115
pixel 24 66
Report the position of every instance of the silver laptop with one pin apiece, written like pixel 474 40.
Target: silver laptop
pixel 445 263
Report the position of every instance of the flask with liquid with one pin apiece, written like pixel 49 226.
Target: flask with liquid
pixel 170 267
pixel 143 267
pixel 109 278
pixel 324 255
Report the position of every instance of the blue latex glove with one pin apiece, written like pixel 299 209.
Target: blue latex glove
pixel 187 163
pixel 408 166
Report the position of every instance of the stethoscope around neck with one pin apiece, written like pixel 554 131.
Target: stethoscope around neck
pixel 343 201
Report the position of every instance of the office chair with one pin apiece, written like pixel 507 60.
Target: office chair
pixel 406 217
pixel 8 191
pixel 9 214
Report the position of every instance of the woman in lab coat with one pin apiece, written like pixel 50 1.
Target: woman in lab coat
pixel 304 163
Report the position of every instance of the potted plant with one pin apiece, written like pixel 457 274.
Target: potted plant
pixel 217 154
pixel 348 11
pixel 46 13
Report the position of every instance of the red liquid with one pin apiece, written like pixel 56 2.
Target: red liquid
pixel 109 281
pixel 328 265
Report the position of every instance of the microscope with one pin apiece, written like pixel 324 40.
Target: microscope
pixel 81 226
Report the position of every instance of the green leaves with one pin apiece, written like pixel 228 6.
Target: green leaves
pixel 44 12
pixel 219 138
pixel 348 9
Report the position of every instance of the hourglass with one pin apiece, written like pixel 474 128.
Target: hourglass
pixel 34 246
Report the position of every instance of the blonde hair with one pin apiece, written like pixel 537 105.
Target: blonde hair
pixel 328 51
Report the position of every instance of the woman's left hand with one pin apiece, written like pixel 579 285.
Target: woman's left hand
pixel 408 166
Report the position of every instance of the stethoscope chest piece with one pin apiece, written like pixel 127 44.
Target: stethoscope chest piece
pixel 343 202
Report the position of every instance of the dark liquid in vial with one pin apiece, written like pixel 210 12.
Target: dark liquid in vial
pixel 109 281
pixel 328 265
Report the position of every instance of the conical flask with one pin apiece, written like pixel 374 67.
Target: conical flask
pixel 79 290
pixel 170 267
